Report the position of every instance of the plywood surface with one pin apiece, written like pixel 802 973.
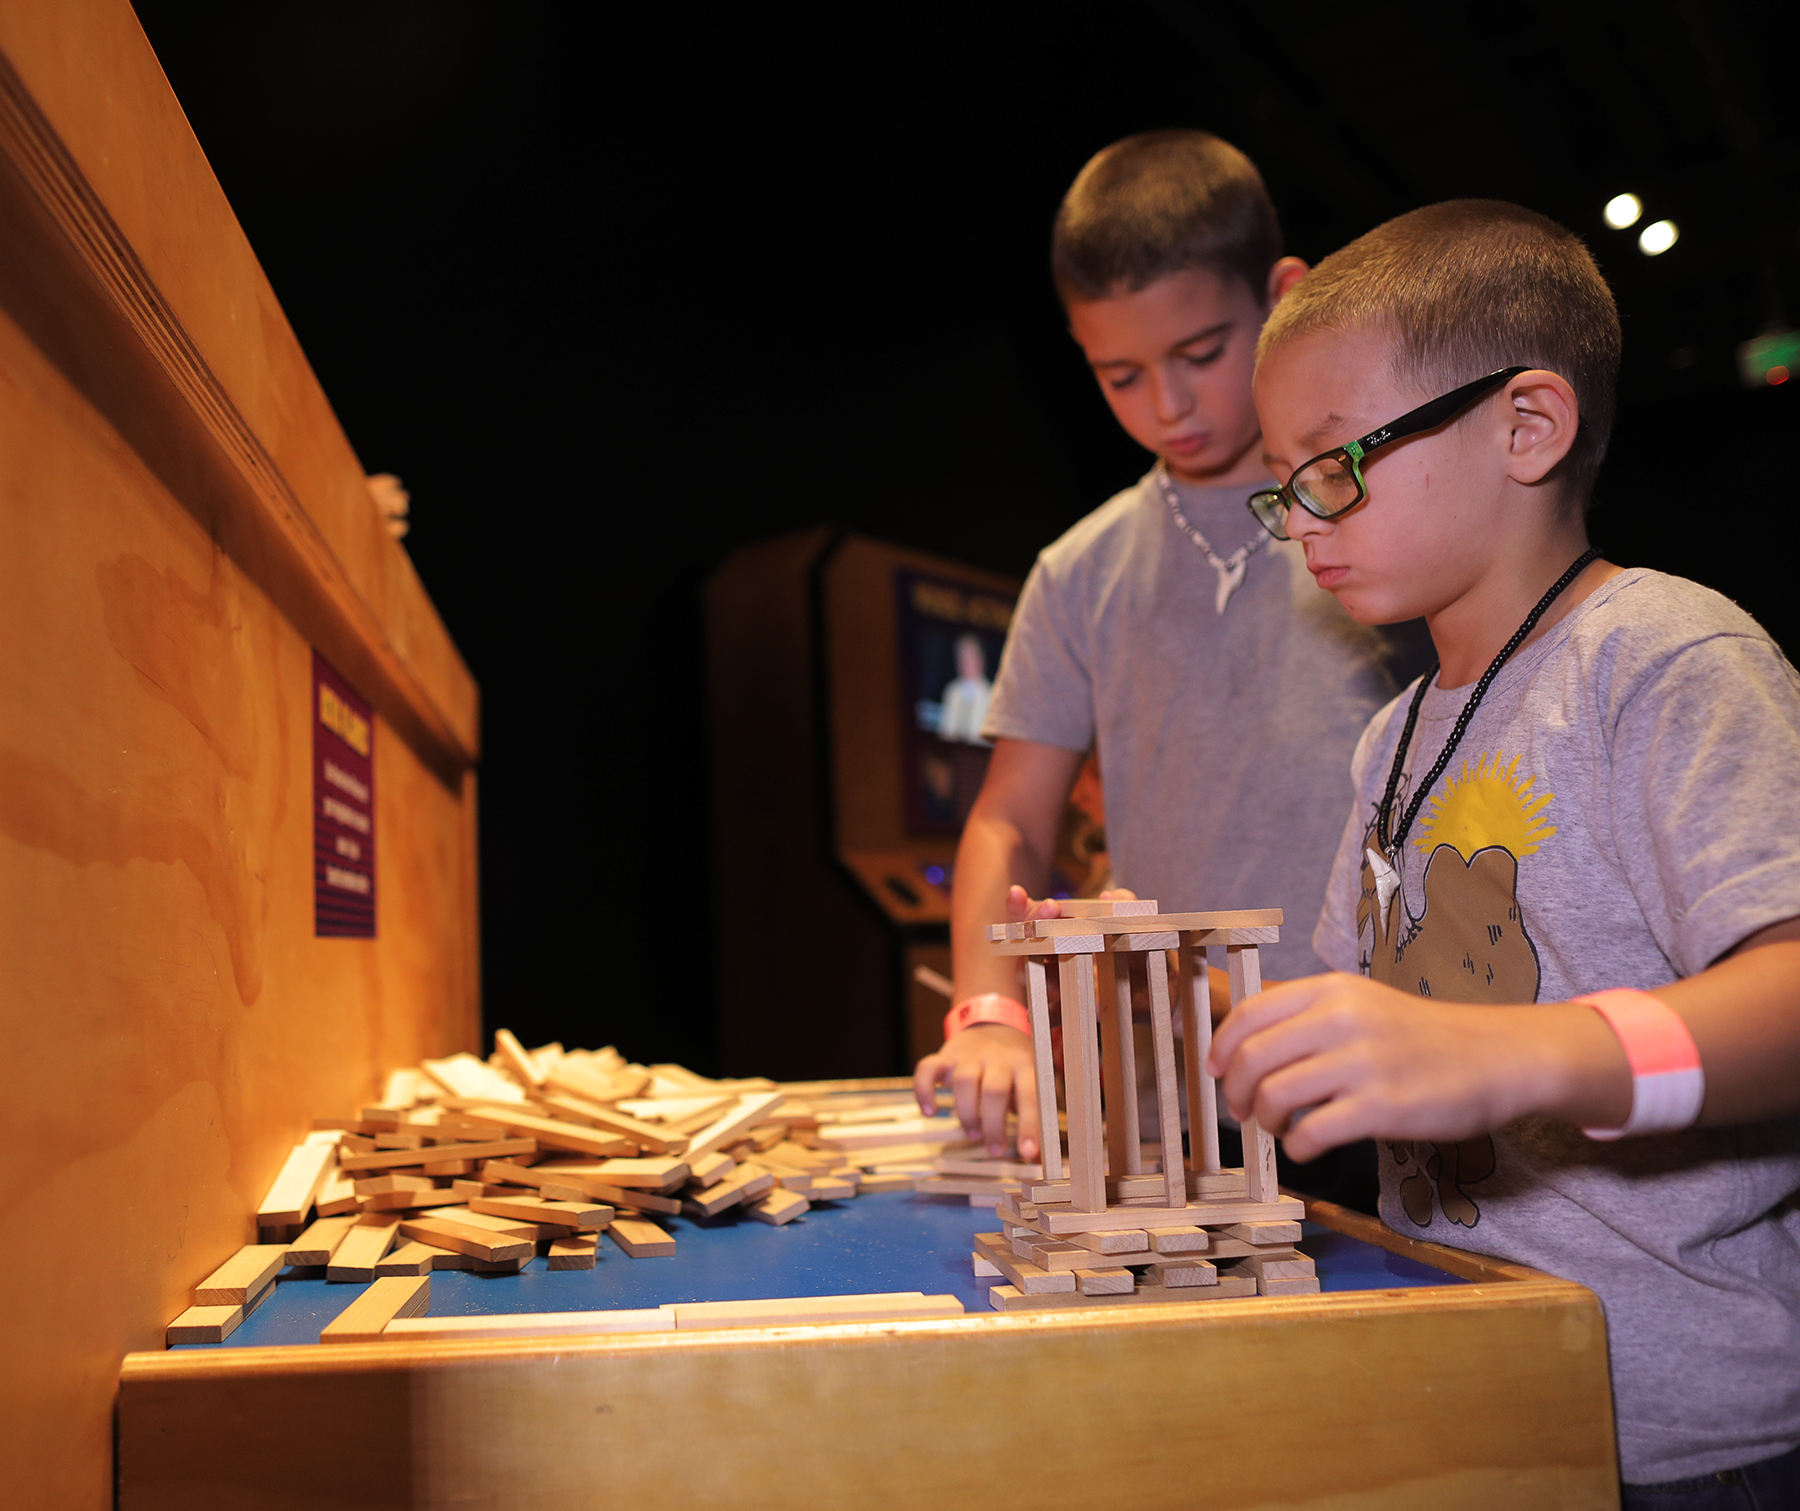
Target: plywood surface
pixel 1491 1396
pixel 173 1021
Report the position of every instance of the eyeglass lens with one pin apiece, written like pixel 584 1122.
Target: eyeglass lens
pixel 1271 511
pixel 1326 486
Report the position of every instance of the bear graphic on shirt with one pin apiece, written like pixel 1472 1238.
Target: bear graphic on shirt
pixel 1466 942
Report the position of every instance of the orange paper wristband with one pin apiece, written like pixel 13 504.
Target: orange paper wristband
pixel 989 1007
pixel 1667 1082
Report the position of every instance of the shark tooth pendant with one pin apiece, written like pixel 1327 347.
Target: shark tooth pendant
pixel 1386 880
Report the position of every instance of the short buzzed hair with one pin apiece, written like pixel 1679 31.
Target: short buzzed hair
pixel 1466 288
pixel 1158 203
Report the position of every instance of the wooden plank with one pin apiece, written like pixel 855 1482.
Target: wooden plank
pixel 643 1174
pixel 530 1325
pixel 463 1238
pixel 462 1075
pixel 1186 923
pixel 1118 1065
pixel 752 1108
pixel 549 1133
pixel 893 1306
pixel 411 1258
pixel 1265 1232
pixel 1117 1241
pixel 1260 1180
pixel 1031 1278
pixel 314 1247
pixel 291 1196
pixel 534 1209
pixel 559 1183
pixel 576 1253
pixel 659 1139
pixel 709 1168
pixel 241 1276
pixel 778 1207
pixel 512 1053
pixel 203 1324
pixel 388 1159
pixel 1194 997
pixel 1116 1282
pixel 1162 1050
pixel 641 1239
pixel 1053 1220
pixel 360 1249
pixel 745 1183
pixel 1179 1240
pixel 382 1185
pixel 1186 1270
pixel 1081 1082
pixel 364 1318
pixel 337 1196
pixel 411 1201
pixel 1037 993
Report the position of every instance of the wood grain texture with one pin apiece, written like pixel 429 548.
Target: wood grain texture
pixel 183 521
pixel 1081 1083
pixel 1491 1396
pixel 385 1299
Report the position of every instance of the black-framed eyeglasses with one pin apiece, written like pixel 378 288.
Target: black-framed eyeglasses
pixel 1332 482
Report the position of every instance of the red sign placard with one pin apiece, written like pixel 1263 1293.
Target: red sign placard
pixel 343 807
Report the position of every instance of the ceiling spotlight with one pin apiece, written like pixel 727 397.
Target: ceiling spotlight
pixel 1657 237
pixel 1622 210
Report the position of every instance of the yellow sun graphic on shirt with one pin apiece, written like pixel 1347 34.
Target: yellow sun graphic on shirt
pixel 1491 805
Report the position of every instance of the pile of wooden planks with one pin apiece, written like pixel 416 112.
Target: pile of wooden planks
pixel 1139 1250
pixel 484 1165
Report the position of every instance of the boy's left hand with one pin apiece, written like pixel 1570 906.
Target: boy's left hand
pixel 1362 1060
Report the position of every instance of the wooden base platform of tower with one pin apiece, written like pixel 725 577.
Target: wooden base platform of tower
pixel 1193 1230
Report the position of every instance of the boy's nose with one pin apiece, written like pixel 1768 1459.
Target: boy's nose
pixel 1172 399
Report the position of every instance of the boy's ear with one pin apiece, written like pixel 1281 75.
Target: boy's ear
pixel 1282 277
pixel 1544 418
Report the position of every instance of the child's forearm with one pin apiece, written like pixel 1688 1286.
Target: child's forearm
pixel 1744 1015
pixel 991 858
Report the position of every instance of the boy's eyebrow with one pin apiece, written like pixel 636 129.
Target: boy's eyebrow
pixel 1332 423
pixel 1209 333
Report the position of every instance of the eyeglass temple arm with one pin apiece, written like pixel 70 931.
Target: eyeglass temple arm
pixel 1430 416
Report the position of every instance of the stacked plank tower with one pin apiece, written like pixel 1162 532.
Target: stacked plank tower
pixel 1194 1231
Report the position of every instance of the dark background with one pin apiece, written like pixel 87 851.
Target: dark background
pixel 615 295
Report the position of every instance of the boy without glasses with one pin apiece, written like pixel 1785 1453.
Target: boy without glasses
pixel 1568 896
pixel 1165 627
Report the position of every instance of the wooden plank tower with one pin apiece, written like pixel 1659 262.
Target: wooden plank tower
pixel 1107 1231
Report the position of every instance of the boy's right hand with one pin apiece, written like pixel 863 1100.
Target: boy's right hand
pixel 989 1066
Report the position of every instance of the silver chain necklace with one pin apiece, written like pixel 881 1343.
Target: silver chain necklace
pixel 1230 568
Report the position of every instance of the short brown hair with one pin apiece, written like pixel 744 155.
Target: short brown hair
pixel 1466 288
pixel 1158 203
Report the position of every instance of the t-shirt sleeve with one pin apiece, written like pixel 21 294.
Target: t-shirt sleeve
pixel 1706 795
pixel 1335 939
pixel 1044 691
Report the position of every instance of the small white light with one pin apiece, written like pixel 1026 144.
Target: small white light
pixel 1657 237
pixel 1622 210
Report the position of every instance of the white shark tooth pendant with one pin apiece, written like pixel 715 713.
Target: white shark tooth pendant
pixel 1231 577
pixel 1386 880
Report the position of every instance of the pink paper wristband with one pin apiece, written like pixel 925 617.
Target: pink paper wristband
pixel 989 1007
pixel 1667 1083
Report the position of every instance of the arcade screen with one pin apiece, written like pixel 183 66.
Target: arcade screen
pixel 950 641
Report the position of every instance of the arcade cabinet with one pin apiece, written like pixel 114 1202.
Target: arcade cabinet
pixel 847 681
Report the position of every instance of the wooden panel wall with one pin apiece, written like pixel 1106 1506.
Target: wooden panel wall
pixel 183 520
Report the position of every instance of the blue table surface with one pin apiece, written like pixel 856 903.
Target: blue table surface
pixel 886 1241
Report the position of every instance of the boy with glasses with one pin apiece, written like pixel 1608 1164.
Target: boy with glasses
pixel 1565 911
pixel 1165 628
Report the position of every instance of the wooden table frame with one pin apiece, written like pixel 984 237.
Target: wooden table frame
pixel 1494 1394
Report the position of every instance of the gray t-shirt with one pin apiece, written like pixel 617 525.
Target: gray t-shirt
pixel 1623 809
pixel 1224 739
